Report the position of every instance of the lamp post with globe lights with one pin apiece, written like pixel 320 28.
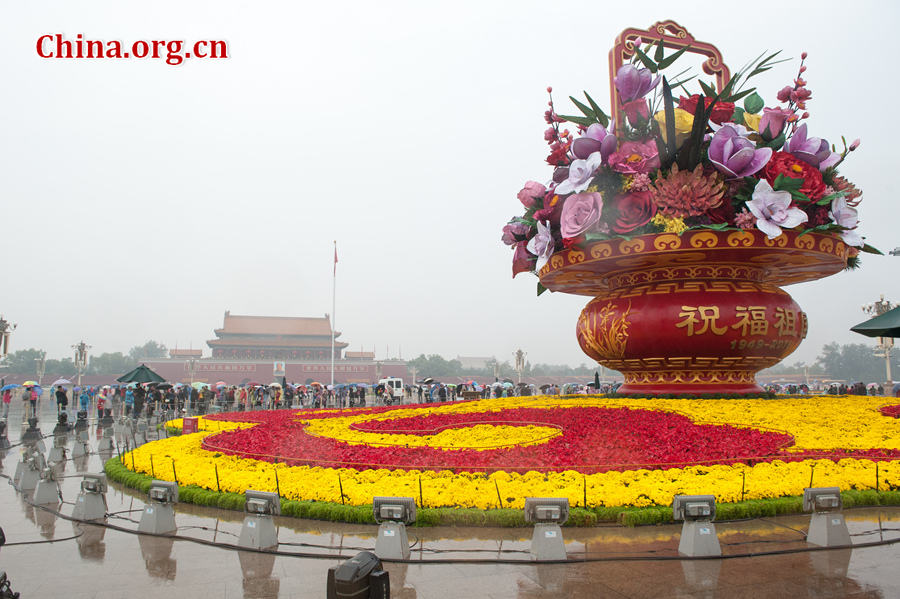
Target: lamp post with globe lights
pixel 81 357
pixel 520 363
pixel 885 344
pixel 40 367
pixel 6 329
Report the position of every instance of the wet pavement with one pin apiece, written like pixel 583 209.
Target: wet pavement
pixel 48 555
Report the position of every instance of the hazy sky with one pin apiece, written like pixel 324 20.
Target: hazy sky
pixel 142 200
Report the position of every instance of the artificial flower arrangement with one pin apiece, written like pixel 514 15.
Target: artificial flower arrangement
pixel 672 165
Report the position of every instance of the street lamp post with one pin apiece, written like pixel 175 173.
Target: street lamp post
pixel 520 363
pixel 41 365
pixel 496 371
pixel 81 354
pixel 6 329
pixel 885 344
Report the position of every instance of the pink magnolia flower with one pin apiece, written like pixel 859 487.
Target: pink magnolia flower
pixel 845 216
pixel 580 212
pixel 522 260
pixel 773 210
pixel 580 174
pixel 541 245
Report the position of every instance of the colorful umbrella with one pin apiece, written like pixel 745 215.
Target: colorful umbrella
pixel 29 383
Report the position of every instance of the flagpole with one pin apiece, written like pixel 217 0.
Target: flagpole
pixel 333 290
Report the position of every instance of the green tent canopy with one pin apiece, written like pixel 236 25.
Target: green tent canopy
pixel 141 374
pixel 886 325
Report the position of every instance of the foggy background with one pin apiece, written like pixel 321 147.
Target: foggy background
pixel 142 200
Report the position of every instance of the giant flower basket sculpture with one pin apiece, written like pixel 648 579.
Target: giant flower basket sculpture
pixel 683 217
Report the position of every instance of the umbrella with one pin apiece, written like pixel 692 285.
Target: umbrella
pixel 275 385
pixel 428 381
pixel 29 384
pixel 319 384
pixel 886 325
pixel 141 374
pixel 10 386
pixel 164 386
pixel 58 382
pixel 199 385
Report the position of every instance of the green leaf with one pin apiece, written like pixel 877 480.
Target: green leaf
pixel 739 95
pixel 540 288
pixel 776 143
pixel 660 47
pixel 579 120
pixel 871 250
pixel 598 112
pixel 708 90
pixel 583 108
pixel 784 183
pixel 715 226
pixel 754 103
pixel 669 105
pixel 648 62
pixel 738 116
pixel 667 62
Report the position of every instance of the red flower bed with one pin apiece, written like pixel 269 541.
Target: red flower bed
pixel 892 411
pixel 594 440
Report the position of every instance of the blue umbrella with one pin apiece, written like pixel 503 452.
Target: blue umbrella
pixel 38 390
pixel 10 386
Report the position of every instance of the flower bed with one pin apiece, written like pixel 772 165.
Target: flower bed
pixel 599 452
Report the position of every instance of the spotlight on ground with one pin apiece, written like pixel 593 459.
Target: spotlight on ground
pixel 360 576
pixel 47 490
pixel 91 502
pixel 827 527
pixel 698 535
pixel 393 514
pixel 159 513
pixel 258 531
pixel 547 513
pixel 33 463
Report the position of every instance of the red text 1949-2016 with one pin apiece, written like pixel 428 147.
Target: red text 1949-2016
pixel 175 52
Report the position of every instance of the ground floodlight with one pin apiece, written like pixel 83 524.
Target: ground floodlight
pixel 359 576
pixel 393 514
pixel 258 531
pixel 33 463
pixel 822 499
pixel 47 490
pixel 827 527
pixel 159 513
pixel 698 534
pixel 547 513
pixel 396 509
pixel 91 502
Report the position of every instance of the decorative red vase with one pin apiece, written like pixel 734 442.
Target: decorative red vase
pixel 700 312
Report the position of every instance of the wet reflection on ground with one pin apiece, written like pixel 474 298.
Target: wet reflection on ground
pixel 608 561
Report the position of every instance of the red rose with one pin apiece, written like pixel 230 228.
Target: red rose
pixel 721 112
pixel 637 112
pixel 785 164
pixel 633 210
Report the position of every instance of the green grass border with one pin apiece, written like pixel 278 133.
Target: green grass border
pixel 503 517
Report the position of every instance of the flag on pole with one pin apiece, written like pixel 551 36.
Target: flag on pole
pixel 335 257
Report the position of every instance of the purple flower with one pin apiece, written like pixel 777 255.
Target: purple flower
pixel 845 216
pixel 813 151
pixel 580 212
pixel 580 174
pixel 541 245
pixel 595 139
pixel 735 155
pixel 772 210
pixel 514 232
pixel 634 83
pixel 528 194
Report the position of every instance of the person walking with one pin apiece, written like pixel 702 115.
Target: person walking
pixel 62 400
pixel 7 397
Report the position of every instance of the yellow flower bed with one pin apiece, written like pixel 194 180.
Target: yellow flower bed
pixel 817 423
